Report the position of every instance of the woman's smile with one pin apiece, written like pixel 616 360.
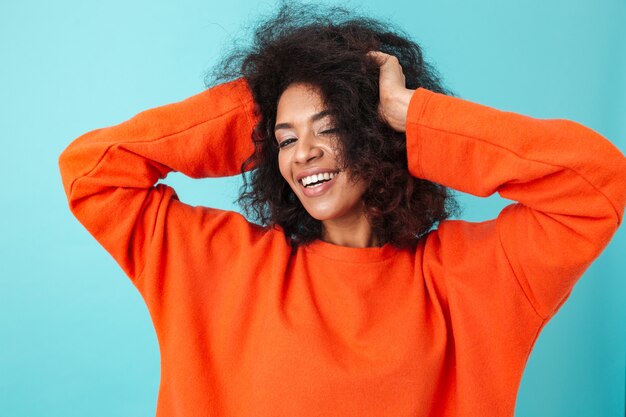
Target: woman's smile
pixel 316 182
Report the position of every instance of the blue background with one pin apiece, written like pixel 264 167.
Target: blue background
pixel 75 336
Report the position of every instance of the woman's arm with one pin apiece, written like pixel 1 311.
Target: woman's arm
pixel 569 182
pixel 109 174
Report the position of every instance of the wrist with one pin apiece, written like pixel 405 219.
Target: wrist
pixel 399 106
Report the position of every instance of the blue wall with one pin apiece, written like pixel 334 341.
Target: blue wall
pixel 75 336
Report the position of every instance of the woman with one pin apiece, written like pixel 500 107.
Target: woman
pixel 345 301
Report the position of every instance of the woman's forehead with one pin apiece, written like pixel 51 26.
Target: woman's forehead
pixel 301 102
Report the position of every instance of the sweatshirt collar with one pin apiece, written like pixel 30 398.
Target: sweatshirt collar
pixel 347 254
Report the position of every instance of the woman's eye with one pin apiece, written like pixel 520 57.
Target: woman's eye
pixel 286 142
pixel 329 131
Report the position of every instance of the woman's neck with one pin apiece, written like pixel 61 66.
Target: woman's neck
pixel 353 232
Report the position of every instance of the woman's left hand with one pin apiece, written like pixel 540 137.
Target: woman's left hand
pixel 394 96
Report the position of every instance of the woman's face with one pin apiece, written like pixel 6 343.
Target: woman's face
pixel 308 157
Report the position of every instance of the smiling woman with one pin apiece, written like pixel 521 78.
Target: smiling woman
pixel 345 301
pixel 332 52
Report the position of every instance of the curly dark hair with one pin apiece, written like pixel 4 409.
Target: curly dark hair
pixel 326 47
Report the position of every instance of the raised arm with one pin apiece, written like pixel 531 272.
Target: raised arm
pixel 109 174
pixel 569 182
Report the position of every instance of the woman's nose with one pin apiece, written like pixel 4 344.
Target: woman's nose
pixel 307 149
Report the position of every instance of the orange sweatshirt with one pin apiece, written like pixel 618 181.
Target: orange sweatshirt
pixel 245 328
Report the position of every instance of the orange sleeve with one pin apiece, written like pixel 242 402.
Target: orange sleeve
pixel 568 181
pixel 109 174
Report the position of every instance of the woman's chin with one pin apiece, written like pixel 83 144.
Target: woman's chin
pixel 334 215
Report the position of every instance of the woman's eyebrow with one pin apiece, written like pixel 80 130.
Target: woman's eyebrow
pixel 314 118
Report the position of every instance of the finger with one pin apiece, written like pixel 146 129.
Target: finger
pixel 379 57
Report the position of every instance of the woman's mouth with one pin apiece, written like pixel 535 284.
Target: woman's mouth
pixel 316 180
pixel 317 184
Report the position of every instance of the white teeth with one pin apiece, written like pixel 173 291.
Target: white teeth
pixel 325 176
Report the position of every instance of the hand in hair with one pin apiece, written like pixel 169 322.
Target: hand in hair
pixel 394 96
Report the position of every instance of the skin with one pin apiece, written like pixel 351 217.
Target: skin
pixel 308 145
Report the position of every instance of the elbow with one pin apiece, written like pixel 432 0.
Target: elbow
pixel 621 182
pixel 618 186
pixel 73 164
pixel 69 167
pixel 602 164
pixel 64 162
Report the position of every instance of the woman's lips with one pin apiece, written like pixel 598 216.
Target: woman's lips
pixel 318 189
